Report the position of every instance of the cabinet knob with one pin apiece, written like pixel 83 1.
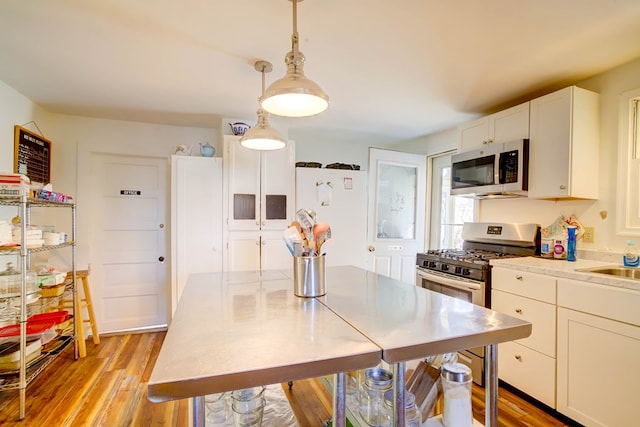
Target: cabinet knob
pixel 258 223
pixel 519 277
pixel 264 242
pixel 563 187
pixel 372 248
pixel 161 259
pixel 258 242
pixel 264 222
pixel 518 357
pixel 519 310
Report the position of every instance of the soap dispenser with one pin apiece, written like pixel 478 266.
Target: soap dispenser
pixel 631 255
pixel 571 243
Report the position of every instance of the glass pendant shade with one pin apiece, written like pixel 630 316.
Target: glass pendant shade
pixel 294 95
pixel 262 136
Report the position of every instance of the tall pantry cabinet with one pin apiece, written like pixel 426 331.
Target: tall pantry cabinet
pixel 258 206
pixel 196 219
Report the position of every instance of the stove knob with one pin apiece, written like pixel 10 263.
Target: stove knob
pixel 466 272
pixel 432 264
pixel 445 267
pixel 458 270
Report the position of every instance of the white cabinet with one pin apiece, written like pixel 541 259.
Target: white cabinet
pixel 259 205
pixel 196 219
pixel 598 353
pixel 507 125
pixel 529 363
pixel 564 144
pixel 257 251
pixel 260 186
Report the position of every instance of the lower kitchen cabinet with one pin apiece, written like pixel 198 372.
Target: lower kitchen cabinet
pixel 249 251
pixel 528 364
pixel 597 366
pixel 528 370
pixel 540 314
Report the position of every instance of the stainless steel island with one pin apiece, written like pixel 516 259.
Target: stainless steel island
pixel 246 329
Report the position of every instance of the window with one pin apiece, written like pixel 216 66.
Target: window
pixel 635 127
pixel 628 206
pixel 447 213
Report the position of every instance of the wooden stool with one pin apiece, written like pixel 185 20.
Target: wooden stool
pixel 81 304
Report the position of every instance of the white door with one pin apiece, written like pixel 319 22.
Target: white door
pixel 397 183
pixel 129 274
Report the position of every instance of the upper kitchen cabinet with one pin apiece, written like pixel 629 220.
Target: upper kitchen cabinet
pixel 504 126
pixel 563 148
pixel 260 186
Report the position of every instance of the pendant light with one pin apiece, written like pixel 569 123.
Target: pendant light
pixel 294 95
pixel 262 136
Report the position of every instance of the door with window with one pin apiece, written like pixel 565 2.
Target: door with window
pixel 396 212
pixel 448 213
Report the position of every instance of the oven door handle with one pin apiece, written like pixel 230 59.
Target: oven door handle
pixel 455 283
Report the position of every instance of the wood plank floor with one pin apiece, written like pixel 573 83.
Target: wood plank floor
pixel 109 388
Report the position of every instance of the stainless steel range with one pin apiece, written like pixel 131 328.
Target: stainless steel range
pixel 466 273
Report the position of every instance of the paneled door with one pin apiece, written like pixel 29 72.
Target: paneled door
pixel 129 265
pixel 397 183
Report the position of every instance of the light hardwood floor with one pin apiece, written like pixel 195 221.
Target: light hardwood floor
pixel 109 388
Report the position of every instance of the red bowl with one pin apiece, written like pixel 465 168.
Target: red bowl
pixel 54 316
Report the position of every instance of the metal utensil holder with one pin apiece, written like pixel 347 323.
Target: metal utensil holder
pixel 308 276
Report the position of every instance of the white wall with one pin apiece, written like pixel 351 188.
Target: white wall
pixel 68 132
pixel 328 147
pixel 609 85
pixel 15 109
pixel 433 144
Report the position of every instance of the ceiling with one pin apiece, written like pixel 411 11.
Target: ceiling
pixel 393 69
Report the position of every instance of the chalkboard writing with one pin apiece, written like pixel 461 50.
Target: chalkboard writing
pixel 32 155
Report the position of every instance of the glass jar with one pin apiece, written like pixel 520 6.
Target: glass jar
pixel 247 406
pixel 217 409
pixel 456 387
pixel 412 417
pixel 376 382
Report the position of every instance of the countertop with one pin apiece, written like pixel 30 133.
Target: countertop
pixel 568 270
pixel 409 322
pixel 245 329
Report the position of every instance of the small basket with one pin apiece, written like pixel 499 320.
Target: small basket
pixel 52 291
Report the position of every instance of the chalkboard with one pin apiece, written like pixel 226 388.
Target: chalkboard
pixel 32 155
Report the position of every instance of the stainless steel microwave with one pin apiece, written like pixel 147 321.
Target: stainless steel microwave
pixel 496 170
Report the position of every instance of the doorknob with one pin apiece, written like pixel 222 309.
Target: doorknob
pixel 161 225
pixel 372 248
pixel 161 259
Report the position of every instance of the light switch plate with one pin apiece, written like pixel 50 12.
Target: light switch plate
pixel 589 235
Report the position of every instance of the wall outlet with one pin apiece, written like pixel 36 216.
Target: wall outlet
pixel 589 235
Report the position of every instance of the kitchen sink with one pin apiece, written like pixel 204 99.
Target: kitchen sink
pixel 623 272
